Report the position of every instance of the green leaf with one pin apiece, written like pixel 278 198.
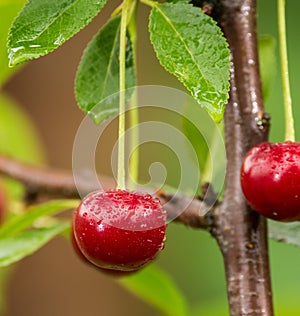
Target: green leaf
pixel 179 1
pixel 156 288
pixel 285 232
pixel 267 63
pixel 13 249
pixel 194 134
pixel 21 222
pixel 8 9
pixel 44 25
pixel 97 79
pixel 205 138
pixel 191 46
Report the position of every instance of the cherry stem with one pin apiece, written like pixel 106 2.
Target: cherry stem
pixel 149 3
pixel 289 120
pixel 122 57
pixel 134 115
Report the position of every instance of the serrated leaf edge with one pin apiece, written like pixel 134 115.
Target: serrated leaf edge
pixel 216 115
pixel 110 62
pixel 38 55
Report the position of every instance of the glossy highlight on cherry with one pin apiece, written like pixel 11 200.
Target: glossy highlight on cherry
pixel 119 230
pixel 270 180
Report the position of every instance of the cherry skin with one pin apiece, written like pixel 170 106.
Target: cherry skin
pixel 270 180
pixel 114 273
pixel 119 230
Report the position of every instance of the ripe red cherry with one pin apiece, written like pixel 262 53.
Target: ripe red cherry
pixel 119 230
pixel 270 180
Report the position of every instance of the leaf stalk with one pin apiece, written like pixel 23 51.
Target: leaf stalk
pixel 288 109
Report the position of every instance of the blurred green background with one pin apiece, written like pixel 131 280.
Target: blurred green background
pixel 54 282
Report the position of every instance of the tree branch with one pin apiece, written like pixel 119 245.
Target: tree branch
pixel 41 180
pixel 195 212
pixel 241 232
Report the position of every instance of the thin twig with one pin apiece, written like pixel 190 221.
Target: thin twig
pixel 51 182
pixel 43 180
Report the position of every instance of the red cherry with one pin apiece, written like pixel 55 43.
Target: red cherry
pixel 270 180
pixel 119 230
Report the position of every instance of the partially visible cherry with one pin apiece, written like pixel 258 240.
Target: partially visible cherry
pixel 119 230
pixel 270 180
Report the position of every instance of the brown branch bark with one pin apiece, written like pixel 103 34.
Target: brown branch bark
pixel 51 182
pixel 241 232
pixel 42 180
